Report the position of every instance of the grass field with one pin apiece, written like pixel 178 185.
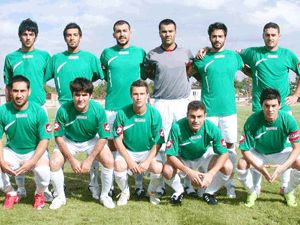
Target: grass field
pixel 82 209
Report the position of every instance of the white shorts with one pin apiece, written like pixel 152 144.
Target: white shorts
pixel 227 125
pixel 137 156
pixel 16 160
pixel 111 116
pixel 77 147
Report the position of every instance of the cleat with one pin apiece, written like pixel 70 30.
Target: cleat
pixel 154 198
pixel 176 199
pixel 107 202
pixel 139 193
pixel 190 191
pixel 231 192
pixel 290 199
pixel 124 197
pixel 111 193
pixel 39 201
pixel 10 199
pixel 95 191
pixel 251 199
pixel 209 199
pixel 22 192
pixel 48 196
pixel 161 192
pixel 57 202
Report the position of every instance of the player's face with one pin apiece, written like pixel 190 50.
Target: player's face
pixel 196 119
pixel 122 35
pixel 81 101
pixel 19 94
pixel 271 108
pixel 139 97
pixel 72 39
pixel 217 40
pixel 167 34
pixel 27 39
pixel 271 38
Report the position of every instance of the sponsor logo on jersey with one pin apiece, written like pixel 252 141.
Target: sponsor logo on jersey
pixel 196 137
pixel 56 126
pixel 294 136
pixel 271 56
pixel 27 56
pixel 161 133
pixel 242 139
pixel 119 130
pixel 123 52
pixel 169 144
pixel 140 120
pixel 219 56
pixel 73 57
pixel 106 127
pixel 48 128
pixel 223 142
pixel 20 115
pixel 81 117
pixel 271 128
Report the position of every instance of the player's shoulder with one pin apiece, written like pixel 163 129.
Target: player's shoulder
pixel 35 108
pixel 96 105
pixel 41 52
pixel 285 51
pixel 86 53
pixel 13 54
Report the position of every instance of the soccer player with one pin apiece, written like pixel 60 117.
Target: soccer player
pixel 31 63
pixel 64 67
pixel 189 149
pixel 122 64
pixel 138 136
pixel 217 72
pixel 167 66
pixel 264 144
pixel 81 126
pixel 28 132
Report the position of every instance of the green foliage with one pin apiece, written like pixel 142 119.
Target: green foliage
pixel 100 91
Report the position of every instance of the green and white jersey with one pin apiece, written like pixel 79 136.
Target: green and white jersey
pixel 217 71
pixel 65 67
pixel 31 65
pixel 140 132
pixel 121 67
pixel 24 129
pixel 81 127
pixel 270 69
pixel 189 145
pixel 269 137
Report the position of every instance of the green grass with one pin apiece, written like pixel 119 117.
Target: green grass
pixel 82 209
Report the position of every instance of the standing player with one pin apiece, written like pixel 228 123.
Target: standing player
pixel 28 132
pixel 217 72
pixel 264 144
pixel 64 67
pixel 122 64
pixel 81 126
pixel 189 149
pixel 138 136
pixel 167 66
pixel 31 63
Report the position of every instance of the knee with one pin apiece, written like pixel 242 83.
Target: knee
pixel 227 168
pixel 242 164
pixel 108 161
pixel 56 162
pixel 120 166
pixel 168 171
pixel 296 165
pixel 156 167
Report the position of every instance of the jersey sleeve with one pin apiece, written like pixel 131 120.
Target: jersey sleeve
pixel 1 121
pixel 103 126
pixel 7 71
pixel 293 130
pixel 247 55
pixel 172 145
pixel 218 142
pixel 149 68
pixel 294 63
pixel 142 68
pixel 118 124
pixel 247 139
pixel 60 121
pixel 96 68
pixel 49 71
pixel 104 65
pixel 44 128
pixel 239 61
pixel 157 129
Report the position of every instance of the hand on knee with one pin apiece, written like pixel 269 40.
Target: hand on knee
pixel 242 164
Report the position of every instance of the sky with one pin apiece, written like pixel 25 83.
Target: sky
pixel 243 18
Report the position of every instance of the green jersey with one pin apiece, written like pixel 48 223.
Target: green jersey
pixel 270 69
pixel 65 67
pixel 217 71
pixel 140 132
pixel 24 129
pixel 31 65
pixel 189 145
pixel 121 67
pixel 81 127
pixel 269 137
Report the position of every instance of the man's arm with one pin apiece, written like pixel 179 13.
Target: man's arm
pixel 292 99
pixel 5 167
pixel 246 70
pixel 152 153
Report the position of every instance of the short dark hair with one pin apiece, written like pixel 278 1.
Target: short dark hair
pixel 72 26
pixel 18 78
pixel 139 83
pixel 195 105
pixel 271 25
pixel 217 26
pixel 81 84
pixel 166 22
pixel 269 94
pixel 29 25
pixel 120 22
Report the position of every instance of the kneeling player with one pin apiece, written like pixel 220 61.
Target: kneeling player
pixel 81 126
pixel 138 136
pixel 188 150
pixel 264 144
pixel 28 132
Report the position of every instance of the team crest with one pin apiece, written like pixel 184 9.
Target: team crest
pixel 48 128
pixel 161 133
pixel 169 144
pixel 106 127
pixel 119 130
pixel 223 142
pixel 242 139
pixel 294 136
pixel 56 126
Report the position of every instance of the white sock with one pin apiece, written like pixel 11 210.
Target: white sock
pixel 7 187
pixel 257 178
pixel 245 177
pixel 106 180
pixel 58 180
pixel 122 181
pixel 218 181
pixel 155 179
pixel 94 174
pixel 20 181
pixel 294 181
pixel 175 183
pixel 285 178
pixel 232 157
pixel 42 178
